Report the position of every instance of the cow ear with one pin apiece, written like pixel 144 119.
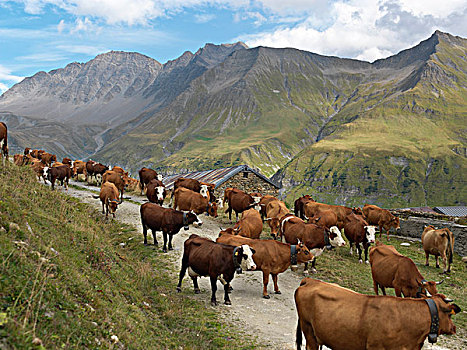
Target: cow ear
pixel 252 251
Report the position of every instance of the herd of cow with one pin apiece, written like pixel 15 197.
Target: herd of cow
pixel 325 310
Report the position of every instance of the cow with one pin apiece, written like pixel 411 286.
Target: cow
pixel 47 158
pixel 145 176
pixel 203 257
pixel 250 225
pixel 79 167
pixel 120 171
pixel 440 243
pixel 27 151
pixel 156 192
pixel 116 179
pixel 109 198
pixel 67 161
pixel 18 159
pixel 133 184
pixel 390 269
pixel 238 201
pixel 38 168
pixel 357 231
pixel 315 237
pixel 299 205
pixel 263 203
pixel 4 142
pixel 37 153
pixel 275 210
pixel 312 209
pixel 271 257
pixel 342 319
pixel 99 171
pixel 61 173
pixel 167 220
pixel 382 218
pixel 188 200
pixel 326 218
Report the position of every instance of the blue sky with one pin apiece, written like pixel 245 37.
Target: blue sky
pixel 40 35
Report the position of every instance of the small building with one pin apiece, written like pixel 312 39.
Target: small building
pixel 452 211
pixel 241 176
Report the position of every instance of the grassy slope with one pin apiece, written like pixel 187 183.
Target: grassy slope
pixel 93 288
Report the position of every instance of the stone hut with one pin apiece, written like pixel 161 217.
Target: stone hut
pixel 241 176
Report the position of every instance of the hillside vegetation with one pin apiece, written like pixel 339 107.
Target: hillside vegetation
pixel 69 279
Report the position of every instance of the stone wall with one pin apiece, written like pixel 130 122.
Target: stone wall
pixel 252 183
pixel 412 226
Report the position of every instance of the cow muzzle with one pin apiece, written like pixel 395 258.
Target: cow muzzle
pixel 294 268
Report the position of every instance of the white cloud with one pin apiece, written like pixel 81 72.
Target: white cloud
pixel 61 26
pixel 3 88
pixel 7 77
pixel 204 17
pixel 83 25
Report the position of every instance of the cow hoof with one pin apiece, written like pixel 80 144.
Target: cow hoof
pixel 164 250
pixel 427 264
pixel 360 261
pixel 171 248
pixel 278 292
pixel 197 291
pixel 367 262
pixel 306 272
pixel 179 289
pixel 227 302
pixel 313 270
pixel 266 297
pixel 437 266
pixel 213 303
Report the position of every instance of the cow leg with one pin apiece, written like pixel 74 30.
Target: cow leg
pixel 53 184
pixel 155 238
pixel 398 291
pixel 427 256
pixel 365 246
pixel 265 285
pixel 274 280
pixel 444 258
pixel 195 285
pixel 170 241
pixel 437 262
pixel 145 233
pixel 164 235
pixel 106 210
pixel 375 287
pixel 311 341
pixel 213 290
pixel 359 249
pixel 226 294
pixel 182 269
pixel 351 243
pixel 103 209
pixel 383 290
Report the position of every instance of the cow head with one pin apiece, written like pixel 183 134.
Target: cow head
pixel 274 224
pixel 244 257
pixel 159 177
pixel 395 222
pixel 357 211
pixel 256 197
pixel 445 311
pixel 160 193
pixel 335 237
pixel 46 173
pixel 303 254
pixel 192 218
pixel 113 206
pixel 370 233
pixel 226 231
pixel 426 289
pixel 204 191
pixel 212 209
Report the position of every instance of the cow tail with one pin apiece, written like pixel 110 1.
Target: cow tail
pixel 298 335
pixel 450 248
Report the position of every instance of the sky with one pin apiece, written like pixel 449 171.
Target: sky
pixel 41 35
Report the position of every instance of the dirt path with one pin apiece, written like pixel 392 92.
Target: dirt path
pixel 272 321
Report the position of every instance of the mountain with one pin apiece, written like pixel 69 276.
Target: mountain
pixel 391 132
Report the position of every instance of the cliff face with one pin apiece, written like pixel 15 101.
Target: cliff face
pixel 343 130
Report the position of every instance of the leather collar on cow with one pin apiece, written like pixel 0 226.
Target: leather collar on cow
pixel 237 266
pixel 293 254
pixel 420 289
pixel 434 327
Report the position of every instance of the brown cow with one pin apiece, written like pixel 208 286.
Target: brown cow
pixel 156 192
pixel 67 161
pixel 145 176
pixel 120 171
pixel 326 218
pixel 238 201
pixel 116 179
pixel 299 205
pixel 315 237
pixel 47 158
pixel 263 203
pixel 275 210
pixel 203 257
pixel 38 168
pixel 438 242
pixel 109 198
pixel 250 224
pixel 18 159
pixel 357 231
pixel 312 209
pixel 79 167
pixel 37 153
pixel 61 173
pixel 342 319
pixel 187 200
pixel 390 269
pixel 167 220
pixel 192 184
pixel 4 142
pixel 271 257
pixel 381 217
pixel 27 151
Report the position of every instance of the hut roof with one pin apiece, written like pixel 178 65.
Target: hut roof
pixel 452 211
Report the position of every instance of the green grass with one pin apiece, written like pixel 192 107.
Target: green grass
pixel 66 279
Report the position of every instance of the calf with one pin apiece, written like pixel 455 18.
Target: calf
pixel 187 200
pixel 109 198
pixel 315 237
pixel 116 179
pixel 390 269
pixel 18 159
pixel 299 205
pixel 312 209
pixel 271 257
pixel 61 173
pixel 340 318
pixel 250 225
pixel 67 161
pixel 167 220
pixel 156 192
pixel 120 171
pixel 4 142
pixel 38 168
pixel 438 242
pixel 146 175
pixel 275 210
pixel 79 167
pixel 47 158
pixel 238 201
pixel 203 257
pixel 357 231
pixel 382 218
